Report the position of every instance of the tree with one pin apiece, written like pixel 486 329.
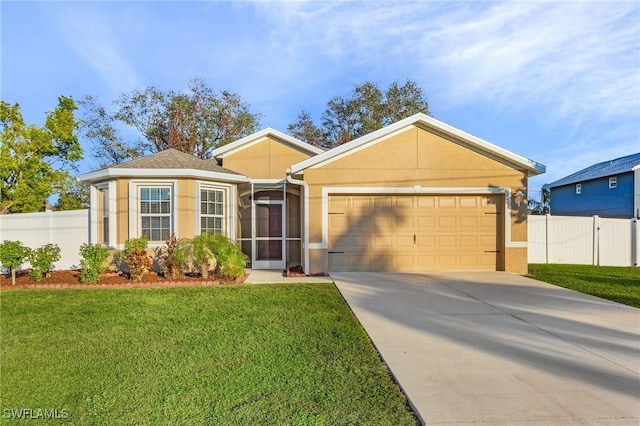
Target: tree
pixel 542 206
pixel 195 122
pixel 12 255
pixel 73 195
pixel 305 130
pixel 367 109
pixel 33 159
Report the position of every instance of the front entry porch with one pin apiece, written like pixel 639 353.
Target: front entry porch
pixel 269 222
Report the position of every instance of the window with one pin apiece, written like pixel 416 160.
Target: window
pixel 613 182
pixel 212 211
pixel 103 208
pixel 155 213
pixel 578 188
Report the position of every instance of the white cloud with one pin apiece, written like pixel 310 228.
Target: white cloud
pixel 574 60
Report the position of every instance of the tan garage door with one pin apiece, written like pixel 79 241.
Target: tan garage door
pixel 413 233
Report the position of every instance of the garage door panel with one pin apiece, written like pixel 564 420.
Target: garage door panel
pixel 469 202
pixel 446 222
pixel 446 202
pixel 447 241
pixel 425 241
pixel 338 221
pixel 404 222
pixel 404 241
pixel 468 241
pixel 360 242
pixel 468 222
pixel 426 202
pixel 362 222
pixel 404 261
pixel 423 222
pixel 383 241
pixel 414 232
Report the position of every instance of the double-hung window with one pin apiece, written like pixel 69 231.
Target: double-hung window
pixel 212 210
pixel 155 213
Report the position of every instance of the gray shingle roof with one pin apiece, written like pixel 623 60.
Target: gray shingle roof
pixel 604 169
pixel 173 159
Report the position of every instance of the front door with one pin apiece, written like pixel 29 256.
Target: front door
pixel 268 250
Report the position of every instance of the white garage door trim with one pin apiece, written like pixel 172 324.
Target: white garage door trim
pixel 415 190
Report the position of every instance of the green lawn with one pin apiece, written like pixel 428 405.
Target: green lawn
pixel 620 284
pixel 271 354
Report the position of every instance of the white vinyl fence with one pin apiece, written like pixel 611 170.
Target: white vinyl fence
pixel 584 240
pixel 68 229
pixel 552 239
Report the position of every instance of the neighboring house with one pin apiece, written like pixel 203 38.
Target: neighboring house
pixel 608 189
pixel 415 195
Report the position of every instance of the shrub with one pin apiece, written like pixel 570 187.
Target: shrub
pixel 136 257
pixel 42 260
pixel 233 265
pixel 92 262
pixel 172 258
pixel 203 256
pixel 12 255
pixel 230 259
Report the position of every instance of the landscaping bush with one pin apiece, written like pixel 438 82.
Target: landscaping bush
pixel 230 259
pixel 42 260
pixel 233 265
pixel 173 259
pixel 203 257
pixel 92 262
pixel 12 255
pixel 136 257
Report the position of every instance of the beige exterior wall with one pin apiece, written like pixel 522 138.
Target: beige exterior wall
pixel 122 207
pixel 267 159
pixel 187 209
pixel 417 157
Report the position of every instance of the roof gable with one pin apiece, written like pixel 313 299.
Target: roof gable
pixel 616 166
pixel 431 124
pixel 254 138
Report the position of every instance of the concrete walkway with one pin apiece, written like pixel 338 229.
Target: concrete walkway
pixel 496 348
pixel 260 276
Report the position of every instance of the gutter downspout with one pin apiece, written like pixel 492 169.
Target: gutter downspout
pixel 305 185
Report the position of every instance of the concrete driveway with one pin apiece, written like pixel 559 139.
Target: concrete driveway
pixel 497 348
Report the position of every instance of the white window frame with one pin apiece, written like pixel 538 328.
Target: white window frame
pixel 228 208
pixel 135 216
pixel 578 188
pixel 613 182
pixel 109 208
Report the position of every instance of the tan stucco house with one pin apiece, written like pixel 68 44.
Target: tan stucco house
pixel 416 195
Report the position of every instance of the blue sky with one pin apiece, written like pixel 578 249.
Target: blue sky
pixel 557 82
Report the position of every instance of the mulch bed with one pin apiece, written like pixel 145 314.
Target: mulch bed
pixel 71 279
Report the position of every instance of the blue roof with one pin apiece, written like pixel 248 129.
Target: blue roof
pixel 604 169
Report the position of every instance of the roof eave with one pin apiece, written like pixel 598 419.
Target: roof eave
pixel 110 173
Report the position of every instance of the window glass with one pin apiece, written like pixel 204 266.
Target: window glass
pixel 155 213
pixel 212 210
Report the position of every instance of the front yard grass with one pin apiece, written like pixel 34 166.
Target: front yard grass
pixel 272 354
pixel 620 284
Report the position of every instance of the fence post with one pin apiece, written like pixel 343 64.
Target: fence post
pixel 596 240
pixel 635 242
